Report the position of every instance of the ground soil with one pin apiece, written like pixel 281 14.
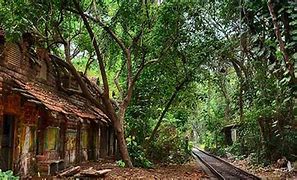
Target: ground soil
pixel 189 171
pixel 186 171
pixel 269 172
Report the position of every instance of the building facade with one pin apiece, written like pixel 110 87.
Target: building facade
pixel 45 124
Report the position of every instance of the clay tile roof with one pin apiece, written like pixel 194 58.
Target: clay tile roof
pixel 61 102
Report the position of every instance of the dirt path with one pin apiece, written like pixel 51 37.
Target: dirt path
pixel 269 172
pixel 186 171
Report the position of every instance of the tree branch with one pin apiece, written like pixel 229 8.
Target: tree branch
pixel 104 26
pixel 166 108
pixel 116 80
pixel 76 51
pixel 96 47
pixel 280 40
pixel 89 62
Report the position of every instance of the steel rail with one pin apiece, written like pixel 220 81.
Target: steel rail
pixel 215 172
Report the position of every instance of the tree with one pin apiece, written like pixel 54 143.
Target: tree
pixel 133 72
pixel 232 61
pixel 132 39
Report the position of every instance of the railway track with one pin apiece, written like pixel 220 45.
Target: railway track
pixel 220 168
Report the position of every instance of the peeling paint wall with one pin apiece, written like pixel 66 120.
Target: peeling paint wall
pixel 70 152
pixel 27 147
pixel 41 136
pixel 52 135
pixel 39 132
pixel 84 144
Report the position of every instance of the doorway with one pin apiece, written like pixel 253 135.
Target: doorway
pixel 7 143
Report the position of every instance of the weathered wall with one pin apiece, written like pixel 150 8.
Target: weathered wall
pixel 40 133
pixel 103 140
pixel 84 142
pixel 111 142
pixel 70 152
pixel 19 65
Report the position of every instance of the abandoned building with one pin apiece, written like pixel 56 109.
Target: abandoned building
pixel 43 128
pixel 230 133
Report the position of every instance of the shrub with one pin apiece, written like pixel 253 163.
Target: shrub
pixel 121 163
pixel 7 175
pixel 170 146
pixel 137 154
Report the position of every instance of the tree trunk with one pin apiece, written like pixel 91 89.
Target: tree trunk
pixel 241 80
pixel 123 147
pixel 120 133
pixel 282 45
pixel 240 102
pixel 227 98
pixel 177 89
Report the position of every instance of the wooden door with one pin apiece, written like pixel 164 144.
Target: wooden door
pixel 7 144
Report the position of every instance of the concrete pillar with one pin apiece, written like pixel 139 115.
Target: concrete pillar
pixel 103 141
pixel 111 142
pixel 1 110
pixel 92 138
pixel 62 141
pixel 78 143
pixel 98 143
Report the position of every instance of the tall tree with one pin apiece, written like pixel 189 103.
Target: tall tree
pixel 135 56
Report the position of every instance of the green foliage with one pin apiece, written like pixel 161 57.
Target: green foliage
pixel 121 163
pixel 170 146
pixel 7 175
pixel 236 71
pixel 137 154
pixel 234 149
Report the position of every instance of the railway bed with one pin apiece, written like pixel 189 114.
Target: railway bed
pixel 220 168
